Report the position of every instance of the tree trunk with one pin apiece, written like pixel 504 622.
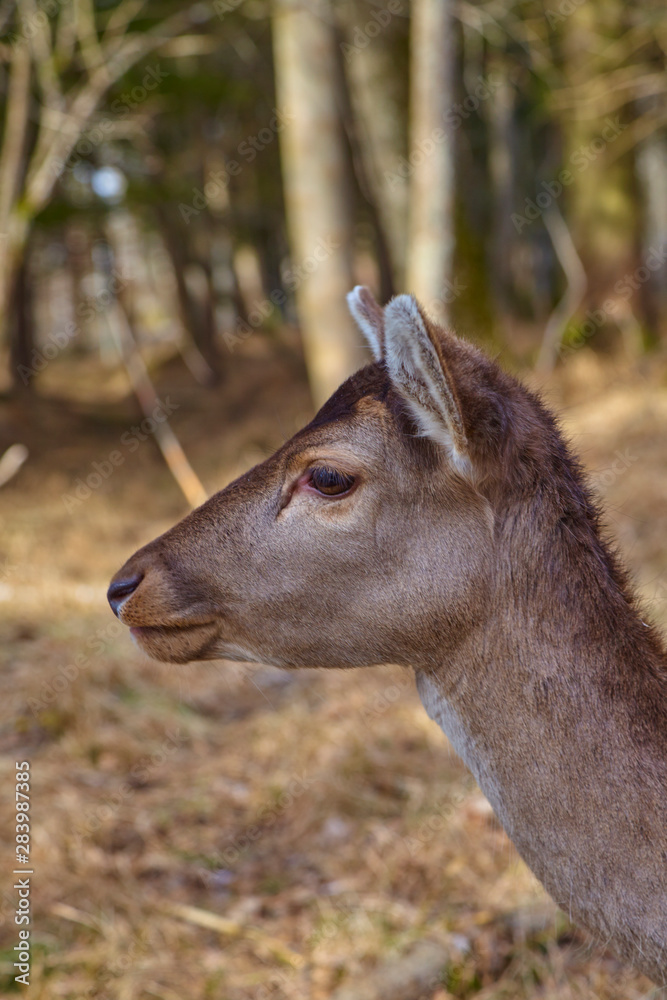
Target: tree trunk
pixel 361 167
pixel 378 92
pixel 431 158
pixel 197 318
pixel 77 242
pixel 502 164
pixel 652 171
pixel 601 199
pixel 13 225
pixel 21 327
pixel 313 159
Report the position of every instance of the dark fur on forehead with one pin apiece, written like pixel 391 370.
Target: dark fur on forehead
pixel 373 382
pixel 370 381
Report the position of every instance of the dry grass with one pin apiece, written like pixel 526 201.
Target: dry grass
pixel 229 832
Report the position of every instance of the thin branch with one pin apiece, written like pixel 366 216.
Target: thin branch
pixel 41 48
pixel 231 928
pixel 638 130
pixel 589 110
pixel 65 35
pixel 520 30
pixel 86 29
pixel 121 17
pixel 172 452
pixel 633 80
pixel 482 21
pixel 56 147
pixel 617 51
pixel 576 286
pixel 11 462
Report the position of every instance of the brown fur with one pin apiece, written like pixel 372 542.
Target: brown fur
pixel 494 584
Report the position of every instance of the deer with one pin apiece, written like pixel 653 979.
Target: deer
pixel 431 515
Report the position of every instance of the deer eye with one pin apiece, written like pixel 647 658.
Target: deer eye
pixel 330 482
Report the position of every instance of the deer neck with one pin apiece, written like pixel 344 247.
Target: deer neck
pixel 564 726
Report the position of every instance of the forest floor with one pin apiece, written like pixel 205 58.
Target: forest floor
pixel 223 831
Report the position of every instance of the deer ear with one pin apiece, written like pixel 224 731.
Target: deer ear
pixel 369 317
pixel 418 371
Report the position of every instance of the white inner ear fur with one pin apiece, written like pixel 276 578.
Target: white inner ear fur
pixel 415 369
pixel 365 321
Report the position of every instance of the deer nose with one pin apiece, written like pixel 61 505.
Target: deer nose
pixel 121 589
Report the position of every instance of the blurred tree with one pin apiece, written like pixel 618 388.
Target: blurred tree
pixel 652 176
pixel 602 205
pixel 608 57
pixel 375 56
pixel 431 157
pixel 316 194
pixel 363 174
pixel 72 54
pixel 209 177
pixel 376 103
pixel 503 169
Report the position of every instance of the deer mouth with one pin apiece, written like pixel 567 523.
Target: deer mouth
pixel 176 643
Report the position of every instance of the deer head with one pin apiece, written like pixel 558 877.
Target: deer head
pixel 365 539
pixel 369 536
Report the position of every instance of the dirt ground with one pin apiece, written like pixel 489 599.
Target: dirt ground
pixel 222 831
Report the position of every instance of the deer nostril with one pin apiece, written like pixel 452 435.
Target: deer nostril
pixel 122 589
